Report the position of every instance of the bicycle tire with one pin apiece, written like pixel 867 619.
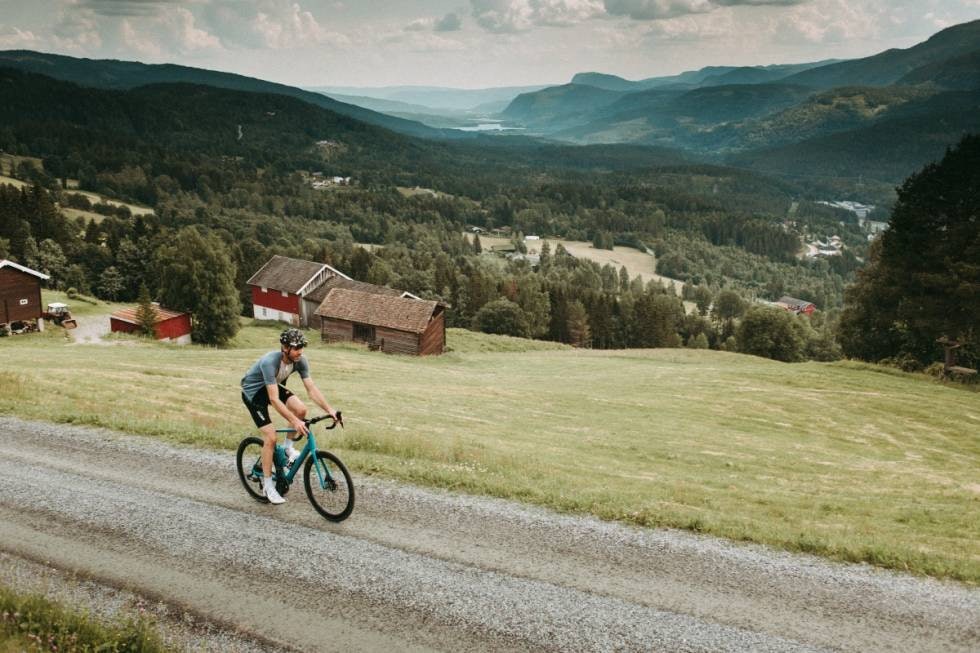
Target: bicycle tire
pixel 254 488
pixel 334 504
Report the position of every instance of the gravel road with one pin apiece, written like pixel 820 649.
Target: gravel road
pixel 421 570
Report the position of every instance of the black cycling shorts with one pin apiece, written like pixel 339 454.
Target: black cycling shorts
pixel 258 406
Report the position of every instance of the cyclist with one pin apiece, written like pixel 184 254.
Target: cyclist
pixel 265 384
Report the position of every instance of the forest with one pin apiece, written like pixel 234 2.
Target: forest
pixel 236 168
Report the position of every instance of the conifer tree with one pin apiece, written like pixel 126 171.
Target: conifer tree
pixel 923 281
pixel 146 315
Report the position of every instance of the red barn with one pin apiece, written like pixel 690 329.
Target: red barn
pixel 281 285
pixel 796 305
pixel 20 292
pixel 170 325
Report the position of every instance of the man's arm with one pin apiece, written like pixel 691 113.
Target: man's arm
pixel 282 409
pixel 318 397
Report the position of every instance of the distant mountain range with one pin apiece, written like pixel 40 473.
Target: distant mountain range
pixel 436 100
pixel 878 117
pixel 926 97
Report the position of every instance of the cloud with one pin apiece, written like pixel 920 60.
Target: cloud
pixel 508 16
pixel 273 24
pixel 759 3
pixel 828 21
pixel 16 38
pixel 502 16
pixel 77 29
pixel 657 9
pixel 173 30
pixel 448 23
pixel 126 8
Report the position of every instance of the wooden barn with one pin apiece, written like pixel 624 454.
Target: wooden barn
pixel 20 292
pixel 281 285
pixel 170 325
pixel 396 325
pixel 316 297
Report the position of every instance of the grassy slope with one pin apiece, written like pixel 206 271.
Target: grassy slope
pixel 834 459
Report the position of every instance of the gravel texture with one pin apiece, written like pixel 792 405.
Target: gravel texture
pixel 417 569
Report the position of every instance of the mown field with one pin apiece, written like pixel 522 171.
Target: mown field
pixel 848 461
pixel 637 263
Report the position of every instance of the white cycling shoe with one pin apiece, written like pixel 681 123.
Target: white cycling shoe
pixel 271 494
pixel 292 453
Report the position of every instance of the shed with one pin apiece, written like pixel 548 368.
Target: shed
pixel 170 325
pixel 279 287
pixel 20 292
pixel 397 325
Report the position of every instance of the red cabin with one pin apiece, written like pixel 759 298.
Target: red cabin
pixel 170 325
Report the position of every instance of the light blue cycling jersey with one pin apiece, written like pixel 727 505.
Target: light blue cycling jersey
pixel 271 369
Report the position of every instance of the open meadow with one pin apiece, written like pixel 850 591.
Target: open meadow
pixel 845 460
pixel 637 263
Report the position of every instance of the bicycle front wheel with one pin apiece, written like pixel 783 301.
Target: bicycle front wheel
pixel 249 463
pixel 334 496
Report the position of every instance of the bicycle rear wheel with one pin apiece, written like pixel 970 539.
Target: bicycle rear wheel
pixel 248 462
pixel 334 499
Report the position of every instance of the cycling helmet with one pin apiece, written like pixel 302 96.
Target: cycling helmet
pixel 293 338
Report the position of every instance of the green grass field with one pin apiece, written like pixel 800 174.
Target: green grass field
pixel 848 461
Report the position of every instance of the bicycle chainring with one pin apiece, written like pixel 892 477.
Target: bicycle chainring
pixel 282 487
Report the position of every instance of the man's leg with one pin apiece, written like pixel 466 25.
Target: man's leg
pixel 298 408
pixel 268 448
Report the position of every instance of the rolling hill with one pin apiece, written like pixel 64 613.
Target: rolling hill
pixel 890 66
pixel 122 75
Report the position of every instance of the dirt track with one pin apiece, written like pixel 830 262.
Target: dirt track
pixel 421 570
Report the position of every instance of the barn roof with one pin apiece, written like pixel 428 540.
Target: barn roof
pixel 130 314
pixel 793 302
pixel 388 311
pixel 320 293
pixel 4 263
pixel 289 274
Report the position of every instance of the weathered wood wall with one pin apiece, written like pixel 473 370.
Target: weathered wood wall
pixel 15 287
pixel 433 340
pixel 336 330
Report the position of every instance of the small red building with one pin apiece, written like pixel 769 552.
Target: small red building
pixel 796 305
pixel 20 292
pixel 281 285
pixel 170 325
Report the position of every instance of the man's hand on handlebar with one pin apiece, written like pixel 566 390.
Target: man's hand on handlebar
pixel 301 428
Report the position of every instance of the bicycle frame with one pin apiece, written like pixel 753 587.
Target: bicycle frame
pixel 323 474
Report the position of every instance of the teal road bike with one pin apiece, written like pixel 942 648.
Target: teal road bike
pixel 327 481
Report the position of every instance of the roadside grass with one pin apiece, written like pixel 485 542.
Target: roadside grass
pixel 832 459
pixel 30 622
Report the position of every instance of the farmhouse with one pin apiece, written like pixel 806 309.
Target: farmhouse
pixel 393 324
pixel 796 305
pixel 280 286
pixel 170 325
pixel 20 292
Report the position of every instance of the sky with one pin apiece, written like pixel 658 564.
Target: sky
pixel 470 43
